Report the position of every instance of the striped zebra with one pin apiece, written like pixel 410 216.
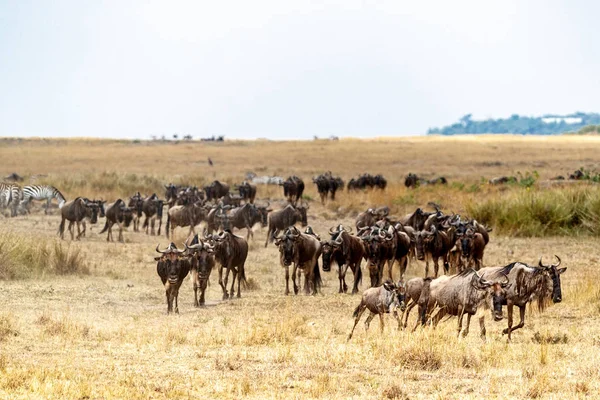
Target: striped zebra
pixel 10 196
pixel 41 192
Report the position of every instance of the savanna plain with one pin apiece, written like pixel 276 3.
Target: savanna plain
pixel 87 319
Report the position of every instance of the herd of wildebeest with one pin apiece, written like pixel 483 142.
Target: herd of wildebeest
pixel 386 243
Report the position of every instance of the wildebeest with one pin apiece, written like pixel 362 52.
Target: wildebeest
pixel 346 251
pixel 247 191
pixel 136 203
pixel 99 205
pixel 371 216
pixel 281 219
pixel 380 300
pixel 303 250
pixel 528 283
pixel 172 271
pixel 117 213
pixel 231 252
pixel 202 262
pixel 75 211
pixel 500 180
pixel 413 181
pixel 171 191
pixel 365 181
pixel 190 215
pixel 216 190
pixel 327 184
pixel 461 294
pixel 152 207
pixel 433 244
pixel 472 248
pixel 293 188
pixel 243 217
pixel 379 249
pixel 416 219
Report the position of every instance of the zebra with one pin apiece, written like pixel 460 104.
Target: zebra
pixel 41 192
pixel 10 195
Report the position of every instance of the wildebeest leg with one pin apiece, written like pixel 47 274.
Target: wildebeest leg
pixel 409 307
pixel 203 285
pixel 342 277
pixel 169 298
pixel 390 264
pixel 176 295
pixel 368 320
pixel 446 265
pixel 221 282
pixel 403 265
pixel 225 294
pixel 436 266
pixel 380 272
pixel 357 277
pixel 308 287
pixel 361 309
pixel 195 285
pixel 239 292
pixel 509 307
pixel 373 273
pixel 268 236
pixel 521 322
pixel 294 278
pixel 234 274
pixel 287 280
pixel 482 330
pixel 120 232
pixel 426 266
pixel 381 323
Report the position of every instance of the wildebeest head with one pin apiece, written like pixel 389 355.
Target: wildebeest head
pixel 171 257
pixel 264 213
pixel 301 209
pixel 327 251
pixel 288 245
pixel 421 240
pixel 171 192
pixel 92 209
pixel 126 214
pixel 553 273
pixel 201 254
pixel 496 290
pixel 399 290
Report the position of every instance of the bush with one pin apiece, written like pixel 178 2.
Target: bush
pixel 542 213
pixel 26 257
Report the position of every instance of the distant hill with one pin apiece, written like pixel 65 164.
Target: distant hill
pixel 545 125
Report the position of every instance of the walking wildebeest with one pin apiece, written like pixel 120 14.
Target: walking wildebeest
pixel 231 252
pixel 243 217
pixel 152 207
pixel 136 203
pixel 75 211
pixel 433 244
pixel 303 250
pixel 461 294
pixel 172 271
pixel 247 191
pixel 346 251
pixel 202 262
pixel 190 215
pixel 117 213
pixel 293 188
pixel 380 300
pixel 281 219
pixel 528 283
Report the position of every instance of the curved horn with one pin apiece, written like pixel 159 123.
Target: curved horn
pixel 158 251
pixel 331 230
pixel 540 263
pixel 506 280
pixel 382 232
pixel 558 258
pixel 348 229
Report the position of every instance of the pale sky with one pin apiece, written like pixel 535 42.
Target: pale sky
pixel 289 69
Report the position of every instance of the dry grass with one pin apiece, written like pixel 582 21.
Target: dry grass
pixel 105 333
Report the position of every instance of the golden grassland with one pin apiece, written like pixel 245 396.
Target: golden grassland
pixel 100 330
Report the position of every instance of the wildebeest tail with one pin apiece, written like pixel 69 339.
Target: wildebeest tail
pixel 358 275
pixel 318 282
pixel 61 227
pixel 242 278
pixel 105 227
pixel 357 309
pixel 168 224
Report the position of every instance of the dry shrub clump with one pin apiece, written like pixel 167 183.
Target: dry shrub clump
pixel 25 257
pixel 7 326
pixel 394 392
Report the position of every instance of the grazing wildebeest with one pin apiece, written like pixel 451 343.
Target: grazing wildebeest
pixel 461 294
pixel 216 190
pixel 304 251
pixel 152 207
pixel 433 244
pixel 293 188
pixel 346 251
pixel 117 213
pixel 136 203
pixel 247 191
pixel 528 283
pixel 242 217
pixel 380 300
pixel 172 271
pixel 75 211
pixel 502 180
pixel 202 262
pixel 231 252
pixel 281 219
pixel 190 215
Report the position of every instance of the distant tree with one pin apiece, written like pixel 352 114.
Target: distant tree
pixel 175 136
